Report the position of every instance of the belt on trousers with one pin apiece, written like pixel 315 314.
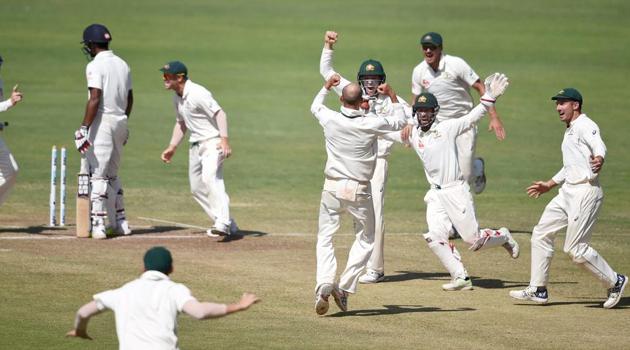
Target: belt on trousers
pixel 445 186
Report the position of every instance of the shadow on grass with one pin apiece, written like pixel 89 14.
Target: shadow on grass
pixel 411 275
pixel 398 309
pixel 240 234
pixel 156 229
pixel 34 230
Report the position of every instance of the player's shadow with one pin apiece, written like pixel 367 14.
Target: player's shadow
pixel 412 275
pixel 397 309
pixel 493 283
pixel 39 230
pixel 240 235
pixel 156 229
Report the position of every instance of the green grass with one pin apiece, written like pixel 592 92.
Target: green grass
pixel 260 59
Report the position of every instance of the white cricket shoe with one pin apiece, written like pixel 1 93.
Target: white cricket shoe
pixel 218 230
pixel 372 276
pixel 122 227
pixel 99 232
pixel 321 298
pixel 479 175
pixel 458 283
pixel 512 245
pixel 531 293
pixel 341 298
pixel 614 293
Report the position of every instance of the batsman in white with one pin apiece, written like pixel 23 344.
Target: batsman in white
pixel 197 110
pixel 351 145
pixel 371 75
pixel 449 79
pixel 576 206
pixel 8 165
pixel 103 132
pixel 146 309
pixel 449 201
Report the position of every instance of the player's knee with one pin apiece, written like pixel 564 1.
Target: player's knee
pixel 578 252
pixel 99 187
pixel 431 237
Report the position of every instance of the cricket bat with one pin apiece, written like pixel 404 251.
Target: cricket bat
pixel 83 201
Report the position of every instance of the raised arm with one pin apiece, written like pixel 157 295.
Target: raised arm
pixel 326 61
pixel 205 310
pixel 495 122
pixel 16 96
pixel 318 109
pixel 495 86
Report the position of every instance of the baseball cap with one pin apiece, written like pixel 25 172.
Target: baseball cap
pixel 158 259
pixel 570 94
pixel 174 67
pixel 96 33
pixel 425 100
pixel 431 38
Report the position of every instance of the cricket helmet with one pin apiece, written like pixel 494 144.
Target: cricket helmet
pixel 367 71
pixel 96 33
pixel 425 101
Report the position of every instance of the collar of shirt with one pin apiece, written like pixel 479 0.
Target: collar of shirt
pixel 153 275
pixel 575 120
pixel 187 87
pixel 102 54
pixel 351 113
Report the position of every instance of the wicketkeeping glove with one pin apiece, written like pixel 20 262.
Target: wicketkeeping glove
pixel 496 84
pixel 81 139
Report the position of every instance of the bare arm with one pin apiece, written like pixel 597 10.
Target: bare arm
pixel 129 103
pixel 204 310
pixel 179 130
pixel 495 122
pixel 92 106
pixel 224 145
pixel 81 320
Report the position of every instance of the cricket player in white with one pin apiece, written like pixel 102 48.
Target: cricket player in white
pixel 196 110
pixel 576 206
pixel 104 132
pixel 449 79
pixel 8 165
pixel 449 201
pixel 146 309
pixel 351 146
pixel 370 76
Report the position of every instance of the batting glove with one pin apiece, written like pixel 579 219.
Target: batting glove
pixel 81 139
pixel 495 84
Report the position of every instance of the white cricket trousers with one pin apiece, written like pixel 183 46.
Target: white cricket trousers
pixel 205 171
pixel 466 152
pixel 362 212
pixel 108 133
pixel 452 205
pixel 8 171
pixel 378 183
pixel 576 207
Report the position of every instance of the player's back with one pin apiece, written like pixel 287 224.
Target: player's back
pixel 112 76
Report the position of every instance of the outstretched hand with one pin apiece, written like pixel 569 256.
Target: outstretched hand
pixel 496 84
pixel 539 187
pixel 247 300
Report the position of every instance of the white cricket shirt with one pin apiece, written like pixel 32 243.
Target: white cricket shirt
pixel 437 148
pixel 582 140
pixel 146 311
pixel 110 74
pixel 4 105
pixel 382 106
pixel 197 108
pixel 351 138
pixel 450 84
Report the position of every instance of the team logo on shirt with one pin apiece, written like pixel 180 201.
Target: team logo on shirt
pixel 420 144
pixel 594 132
pixel 425 83
pixel 370 67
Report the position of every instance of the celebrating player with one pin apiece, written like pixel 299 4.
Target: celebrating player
pixel 576 206
pixel 8 165
pixel 103 132
pixel 197 111
pixel 449 79
pixel 371 75
pixel 449 202
pixel 351 138
pixel 146 309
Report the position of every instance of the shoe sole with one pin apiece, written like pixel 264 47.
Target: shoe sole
pixel 219 233
pixel 372 281
pixel 527 298
pixel 337 298
pixel 321 304
pixel 457 289
pixel 623 286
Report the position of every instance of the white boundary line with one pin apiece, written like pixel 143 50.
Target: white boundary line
pixel 171 222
